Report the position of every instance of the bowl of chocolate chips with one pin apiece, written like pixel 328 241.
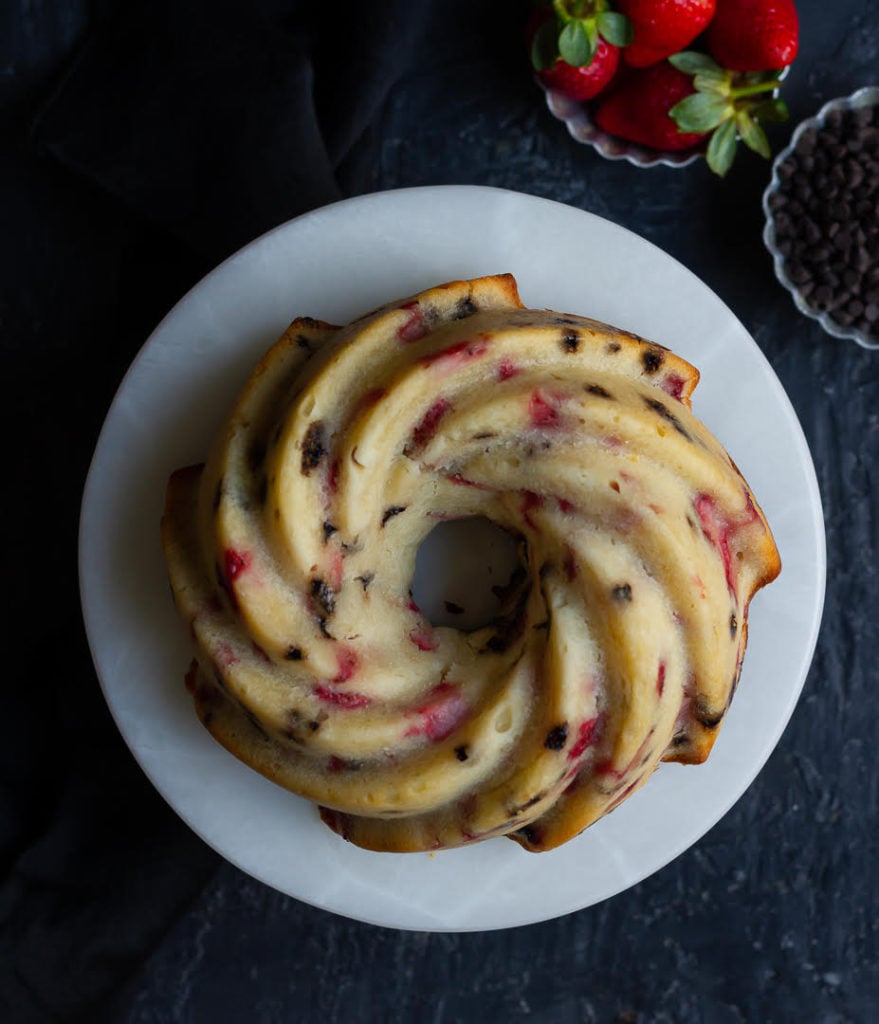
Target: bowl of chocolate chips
pixel 822 217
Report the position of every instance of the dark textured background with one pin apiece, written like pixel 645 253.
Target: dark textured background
pixel 139 144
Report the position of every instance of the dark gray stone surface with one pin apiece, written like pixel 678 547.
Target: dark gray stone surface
pixel 110 909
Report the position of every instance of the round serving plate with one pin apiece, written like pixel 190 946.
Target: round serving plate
pixel 334 264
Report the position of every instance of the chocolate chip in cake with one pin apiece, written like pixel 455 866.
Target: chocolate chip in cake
pixel 622 593
pixel 391 511
pixel 570 341
pixel 466 307
pixel 329 530
pixel 323 596
pixel 365 579
pixel 599 391
pixel 462 753
pixel 612 347
pixel 557 737
pixel 293 654
pixel 662 410
pixel 313 447
pixel 733 625
pixel 531 835
pixel 652 358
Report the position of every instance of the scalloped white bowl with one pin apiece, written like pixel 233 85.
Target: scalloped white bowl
pixel 868 96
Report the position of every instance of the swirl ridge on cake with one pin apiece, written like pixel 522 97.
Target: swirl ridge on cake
pixel 620 640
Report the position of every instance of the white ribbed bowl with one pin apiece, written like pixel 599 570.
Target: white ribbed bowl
pixel 583 129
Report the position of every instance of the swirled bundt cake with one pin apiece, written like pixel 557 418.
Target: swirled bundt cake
pixel 618 644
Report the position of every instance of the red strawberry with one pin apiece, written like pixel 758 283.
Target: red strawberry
pixel 585 82
pixel 754 35
pixel 575 45
pixel 663 27
pixel 638 109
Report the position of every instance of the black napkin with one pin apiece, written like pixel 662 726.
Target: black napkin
pixel 220 120
pixel 190 128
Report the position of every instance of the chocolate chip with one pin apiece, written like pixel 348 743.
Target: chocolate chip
pixel 557 737
pixel 329 530
pixel 466 307
pixel 313 447
pixel 622 593
pixel 733 625
pixel 323 596
pixel 530 834
pixel 365 579
pixel 666 413
pixel 599 391
pixel 652 358
pixel 293 654
pixel 825 215
pixel 612 347
pixel 570 341
pixel 391 511
pixel 461 753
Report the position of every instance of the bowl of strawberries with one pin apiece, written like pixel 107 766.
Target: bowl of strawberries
pixel 665 81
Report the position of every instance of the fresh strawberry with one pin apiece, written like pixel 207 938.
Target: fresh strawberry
pixel 637 110
pixel 585 82
pixel 662 27
pixel 575 46
pixel 754 35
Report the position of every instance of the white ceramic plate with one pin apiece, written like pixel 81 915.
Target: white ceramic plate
pixel 334 264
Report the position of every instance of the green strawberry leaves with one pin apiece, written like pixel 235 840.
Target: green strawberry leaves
pixel 545 46
pixel 729 105
pixel 722 148
pixel 614 27
pixel 700 112
pixel 572 33
pixel 575 45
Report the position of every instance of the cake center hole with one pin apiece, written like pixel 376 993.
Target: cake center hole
pixel 458 567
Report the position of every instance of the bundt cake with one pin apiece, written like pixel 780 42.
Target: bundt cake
pixel 619 640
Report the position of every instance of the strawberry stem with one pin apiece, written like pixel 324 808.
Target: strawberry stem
pixel 753 90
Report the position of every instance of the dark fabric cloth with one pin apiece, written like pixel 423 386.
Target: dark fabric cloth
pixel 190 128
pixel 221 120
